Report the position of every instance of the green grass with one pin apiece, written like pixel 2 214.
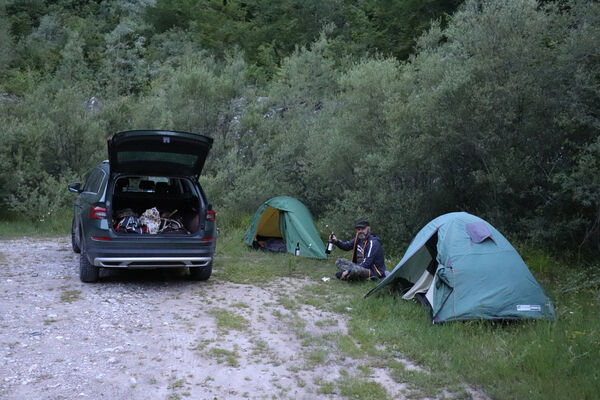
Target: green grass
pixel 315 358
pixel 230 358
pixel 525 359
pixel 58 223
pixel 357 387
pixel 229 320
pixel 69 296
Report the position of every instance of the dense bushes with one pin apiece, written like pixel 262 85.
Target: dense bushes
pixel 495 113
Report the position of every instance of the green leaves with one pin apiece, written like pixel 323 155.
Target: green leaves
pixel 494 113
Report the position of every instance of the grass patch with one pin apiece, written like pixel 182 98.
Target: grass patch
pixel 56 223
pixel 228 357
pixel 238 263
pixel 69 296
pixel 229 320
pixel 347 347
pixel 324 387
pixel 178 384
pixel 288 303
pixel 315 357
pixel 326 323
pixel 356 387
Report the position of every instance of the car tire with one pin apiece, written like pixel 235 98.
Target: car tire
pixel 74 238
pixel 201 273
pixel 87 272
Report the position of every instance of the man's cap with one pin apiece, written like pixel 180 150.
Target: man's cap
pixel 361 223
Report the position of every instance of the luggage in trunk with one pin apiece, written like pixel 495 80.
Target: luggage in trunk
pixel 155 206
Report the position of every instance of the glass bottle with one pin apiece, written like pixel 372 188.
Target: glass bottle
pixel 329 247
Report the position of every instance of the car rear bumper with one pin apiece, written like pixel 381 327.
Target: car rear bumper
pixel 151 262
pixel 150 253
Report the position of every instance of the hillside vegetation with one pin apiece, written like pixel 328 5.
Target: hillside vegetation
pixel 395 111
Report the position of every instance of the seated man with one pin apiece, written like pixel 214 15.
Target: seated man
pixel 367 255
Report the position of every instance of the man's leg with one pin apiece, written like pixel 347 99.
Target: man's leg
pixel 357 272
pixel 350 270
pixel 343 265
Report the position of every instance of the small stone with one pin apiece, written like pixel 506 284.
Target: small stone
pixel 112 360
pixel 132 380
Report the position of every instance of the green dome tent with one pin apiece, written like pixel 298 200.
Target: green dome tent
pixel 286 218
pixel 463 268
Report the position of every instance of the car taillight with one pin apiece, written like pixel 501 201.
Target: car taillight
pixel 211 215
pixel 98 213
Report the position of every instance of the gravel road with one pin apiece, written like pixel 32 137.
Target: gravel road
pixel 156 335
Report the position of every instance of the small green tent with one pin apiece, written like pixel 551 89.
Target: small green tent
pixel 462 268
pixel 286 218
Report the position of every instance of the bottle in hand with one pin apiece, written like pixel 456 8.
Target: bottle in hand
pixel 329 247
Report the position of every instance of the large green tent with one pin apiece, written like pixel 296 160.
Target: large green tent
pixel 463 268
pixel 286 218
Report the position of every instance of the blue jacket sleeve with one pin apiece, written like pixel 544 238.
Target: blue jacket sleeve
pixel 348 245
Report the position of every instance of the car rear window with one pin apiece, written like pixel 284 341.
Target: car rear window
pixel 188 160
pixel 153 184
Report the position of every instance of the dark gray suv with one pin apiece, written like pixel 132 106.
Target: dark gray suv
pixel 144 207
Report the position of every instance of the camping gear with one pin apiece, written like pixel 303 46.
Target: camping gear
pixel 275 245
pixel 288 219
pixel 463 268
pixel 151 219
pixel 129 225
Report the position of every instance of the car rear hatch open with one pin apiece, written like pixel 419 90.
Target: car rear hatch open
pixel 158 152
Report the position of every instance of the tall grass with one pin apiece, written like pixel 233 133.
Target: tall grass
pixel 14 225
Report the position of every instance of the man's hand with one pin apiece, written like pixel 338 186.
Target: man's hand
pixel 333 237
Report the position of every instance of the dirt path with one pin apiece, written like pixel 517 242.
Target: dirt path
pixel 156 335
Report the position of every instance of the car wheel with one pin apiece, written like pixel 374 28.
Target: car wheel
pixel 201 273
pixel 74 239
pixel 87 271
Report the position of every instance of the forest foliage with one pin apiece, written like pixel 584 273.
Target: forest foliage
pixel 393 111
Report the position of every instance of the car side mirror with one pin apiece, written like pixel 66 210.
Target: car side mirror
pixel 74 187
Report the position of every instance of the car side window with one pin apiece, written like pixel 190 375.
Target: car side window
pixel 92 184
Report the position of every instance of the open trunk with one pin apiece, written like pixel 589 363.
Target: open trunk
pixel 155 205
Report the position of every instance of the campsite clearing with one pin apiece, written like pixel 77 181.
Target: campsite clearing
pixel 266 325
pixel 156 334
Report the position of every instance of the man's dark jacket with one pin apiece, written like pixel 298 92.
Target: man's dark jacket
pixel 374 259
